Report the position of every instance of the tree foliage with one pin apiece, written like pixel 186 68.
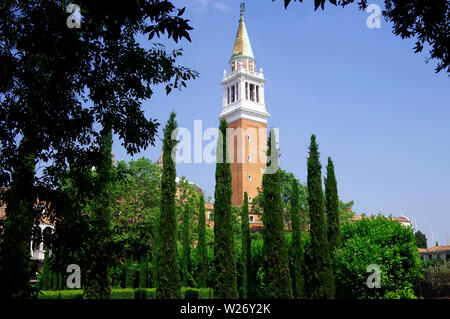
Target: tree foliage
pixel 21 213
pixel 298 260
pixel 186 237
pixel 168 283
pixel 377 241
pixel 426 21
pixel 436 275
pixel 143 272
pixel 276 264
pixel 421 239
pixel 98 258
pixel 332 207
pixel 135 208
pixel 286 182
pixel 202 247
pixel 323 285
pixel 224 254
pixel 58 84
pixel 247 275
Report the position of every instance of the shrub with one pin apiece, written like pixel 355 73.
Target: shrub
pixel 140 294
pixel 383 242
pixel 151 293
pixel 128 293
pixel 194 293
pixel 62 294
pixel 191 294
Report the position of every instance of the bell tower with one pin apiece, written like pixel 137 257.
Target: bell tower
pixel 244 109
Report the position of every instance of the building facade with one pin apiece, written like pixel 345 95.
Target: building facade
pixel 37 246
pixel 436 252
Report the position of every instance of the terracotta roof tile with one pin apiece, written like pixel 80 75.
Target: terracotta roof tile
pixel 435 249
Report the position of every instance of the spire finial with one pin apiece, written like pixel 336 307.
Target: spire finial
pixel 242 47
pixel 242 10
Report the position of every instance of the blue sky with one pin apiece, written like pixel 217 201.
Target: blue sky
pixel 377 108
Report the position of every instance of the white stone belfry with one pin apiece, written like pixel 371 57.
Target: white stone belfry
pixel 243 88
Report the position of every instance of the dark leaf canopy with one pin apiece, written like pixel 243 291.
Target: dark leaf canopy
pixel 59 86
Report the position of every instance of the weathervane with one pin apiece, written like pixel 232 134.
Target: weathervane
pixel 242 9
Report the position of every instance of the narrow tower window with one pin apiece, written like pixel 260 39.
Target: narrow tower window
pixel 232 94
pixel 228 95
pixel 251 218
pixel 249 178
pixel 237 91
pixel 257 93
pixel 246 90
pixel 252 92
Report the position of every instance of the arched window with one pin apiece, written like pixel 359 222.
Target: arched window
pixel 47 237
pixel 36 238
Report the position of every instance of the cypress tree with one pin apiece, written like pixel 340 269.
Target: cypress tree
pixel 246 250
pixel 54 281
pixel 168 280
pixel 45 277
pixel 332 205
pixel 322 275
pixel 297 245
pixel 276 263
pixel 48 238
pixel 61 282
pixel 186 245
pixel 224 255
pixel 421 239
pixel 143 272
pixel 129 273
pixel 98 258
pixel 154 255
pixel 202 249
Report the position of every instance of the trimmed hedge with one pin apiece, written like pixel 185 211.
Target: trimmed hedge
pixel 128 293
pixel 62 294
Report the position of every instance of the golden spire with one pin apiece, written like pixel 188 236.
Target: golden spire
pixel 242 47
